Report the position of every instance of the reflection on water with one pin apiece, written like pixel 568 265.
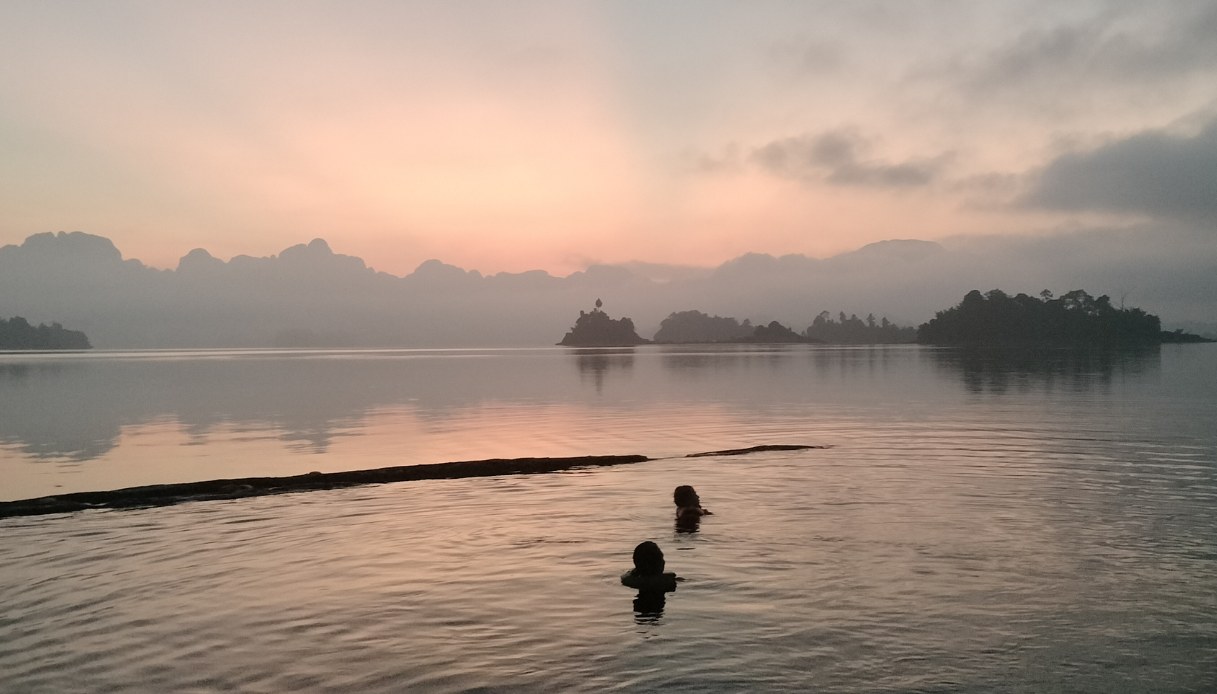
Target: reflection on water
pixel 691 360
pixel 154 417
pixel 648 606
pixel 1078 370
pixel 595 363
pixel 51 409
pixel 912 560
pixel 973 528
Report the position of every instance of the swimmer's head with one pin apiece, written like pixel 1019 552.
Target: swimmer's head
pixel 685 496
pixel 648 559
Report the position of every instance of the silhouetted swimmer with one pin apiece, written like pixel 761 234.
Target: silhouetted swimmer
pixel 688 507
pixel 648 575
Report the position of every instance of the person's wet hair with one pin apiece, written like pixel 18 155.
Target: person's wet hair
pixel 685 495
pixel 648 559
pixel 648 575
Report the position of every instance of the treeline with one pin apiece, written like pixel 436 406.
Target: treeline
pixel 855 331
pixel 697 327
pixel 17 333
pixel 1076 318
pixel 991 319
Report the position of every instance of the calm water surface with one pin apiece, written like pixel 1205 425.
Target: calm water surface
pixel 981 523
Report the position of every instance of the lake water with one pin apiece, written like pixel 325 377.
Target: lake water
pixel 1022 522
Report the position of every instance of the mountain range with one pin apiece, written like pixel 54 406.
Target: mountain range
pixel 310 296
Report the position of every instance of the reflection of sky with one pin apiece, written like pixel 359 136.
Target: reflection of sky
pixel 998 568
pixel 97 421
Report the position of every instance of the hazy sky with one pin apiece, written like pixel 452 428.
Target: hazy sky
pixel 509 135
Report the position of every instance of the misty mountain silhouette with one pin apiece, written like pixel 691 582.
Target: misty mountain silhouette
pixel 308 295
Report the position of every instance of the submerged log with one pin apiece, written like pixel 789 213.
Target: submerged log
pixel 756 449
pixel 167 494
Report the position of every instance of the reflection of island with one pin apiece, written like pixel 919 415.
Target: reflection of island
pixel 596 329
pixel 596 363
pixel 17 333
pixel 997 370
pixel 47 414
pixel 75 409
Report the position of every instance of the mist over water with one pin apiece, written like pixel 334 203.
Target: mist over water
pixel 982 521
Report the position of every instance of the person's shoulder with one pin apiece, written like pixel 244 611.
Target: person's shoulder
pixel 664 581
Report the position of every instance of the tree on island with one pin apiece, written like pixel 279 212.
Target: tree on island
pixel 17 333
pixel 774 333
pixel 855 331
pixel 596 329
pixel 1076 318
pixel 696 327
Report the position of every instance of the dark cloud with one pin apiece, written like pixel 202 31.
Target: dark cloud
pixel 1151 173
pixel 1121 46
pixel 837 158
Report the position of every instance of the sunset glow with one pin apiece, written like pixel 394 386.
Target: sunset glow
pixel 552 135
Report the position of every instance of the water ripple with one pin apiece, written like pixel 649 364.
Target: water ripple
pixel 967 542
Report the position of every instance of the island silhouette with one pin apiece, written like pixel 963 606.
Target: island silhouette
pixel 695 327
pixel 597 329
pixel 992 319
pixel 18 334
pixel 1075 319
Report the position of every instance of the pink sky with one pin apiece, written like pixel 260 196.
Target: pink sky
pixel 551 135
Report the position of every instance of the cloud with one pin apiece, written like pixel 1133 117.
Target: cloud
pixel 806 57
pixel 837 157
pixel 1139 46
pixel 726 160
pixel 1151 173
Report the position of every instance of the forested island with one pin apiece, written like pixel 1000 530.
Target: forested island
pixel 695 327
pixel 17 333
pixel 993 319
pixel 685 327
pixel 996 319
pixel 597 329
pixel 855 331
